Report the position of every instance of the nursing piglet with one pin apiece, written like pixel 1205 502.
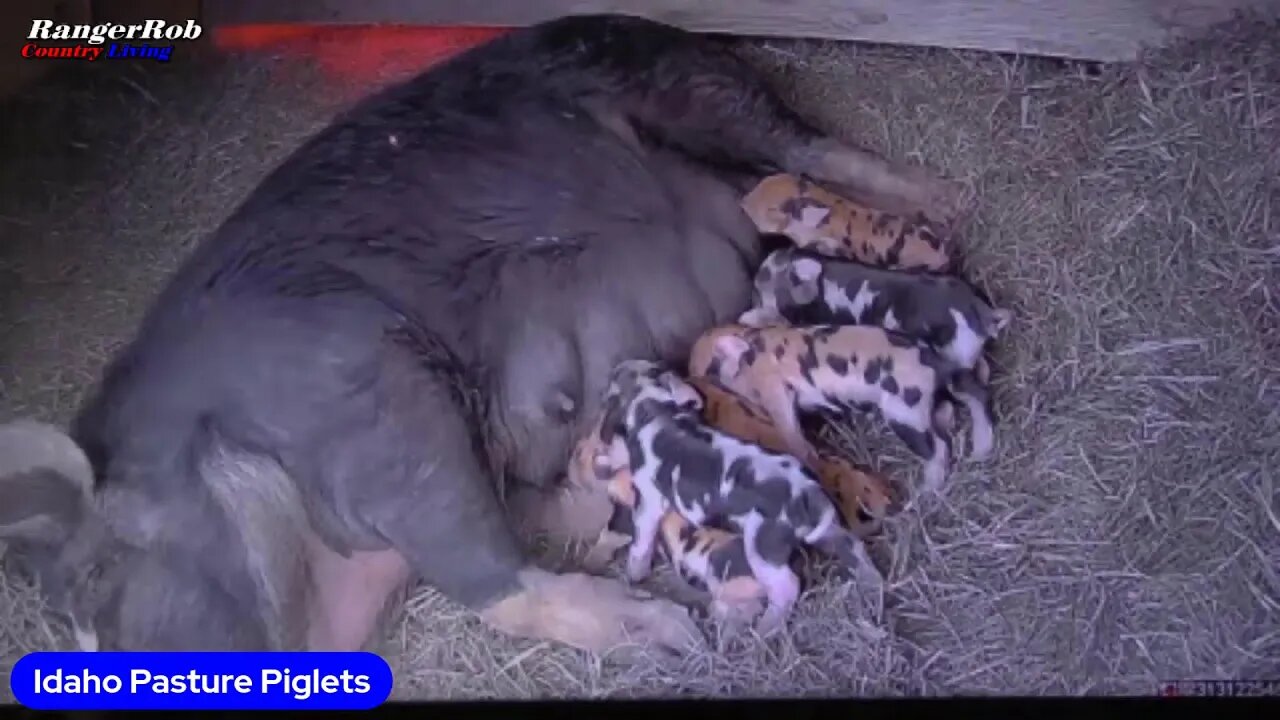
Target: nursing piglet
pixel 834 369
pixel 715 480
pixel 818 219
pixel 800 287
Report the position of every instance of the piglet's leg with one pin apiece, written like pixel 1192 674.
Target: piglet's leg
pixel 977 399
pixel 761 317
pixel 737 597
pixel 983 369
pixel 915 427
pixel 647 520
pixel 769 546
pixel 777 401
pixel 782 588
pixel 944 415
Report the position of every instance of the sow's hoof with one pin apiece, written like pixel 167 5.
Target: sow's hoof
pixel 945 203
pixel 594 614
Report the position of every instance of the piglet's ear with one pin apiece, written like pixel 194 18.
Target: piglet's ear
pixel 729 350
pixel 761 317
pixel 806 269
pixel 685 395
pixel 601 467
pixel 612 458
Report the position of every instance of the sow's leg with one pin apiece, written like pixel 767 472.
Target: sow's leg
pixel 415 480
pixel 688 92
pixel 350 595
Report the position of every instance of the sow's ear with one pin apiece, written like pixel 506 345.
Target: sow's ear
pixel 46 483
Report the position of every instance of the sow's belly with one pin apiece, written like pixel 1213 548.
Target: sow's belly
pixel 643 289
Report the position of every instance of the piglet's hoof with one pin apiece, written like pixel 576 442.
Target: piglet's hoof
pixel 771 622
pixel 638 568
pixel 870 583
pixel 984 442
pixel 594 614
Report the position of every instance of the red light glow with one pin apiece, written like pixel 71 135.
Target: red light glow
pixel 357 53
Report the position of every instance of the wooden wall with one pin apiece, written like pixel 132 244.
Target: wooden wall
pixel 1087 29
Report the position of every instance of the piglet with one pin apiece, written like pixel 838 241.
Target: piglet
pixel 834 369
pixel 801 287
pixel 864 497
pixel 818 219
pixel 713 479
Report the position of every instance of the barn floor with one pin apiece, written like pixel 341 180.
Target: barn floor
pixel 1127 532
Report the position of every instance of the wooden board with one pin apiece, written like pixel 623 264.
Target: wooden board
pixel 1085 29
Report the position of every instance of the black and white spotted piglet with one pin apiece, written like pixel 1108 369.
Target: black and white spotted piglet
pixel 713 479
pixel 800 287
